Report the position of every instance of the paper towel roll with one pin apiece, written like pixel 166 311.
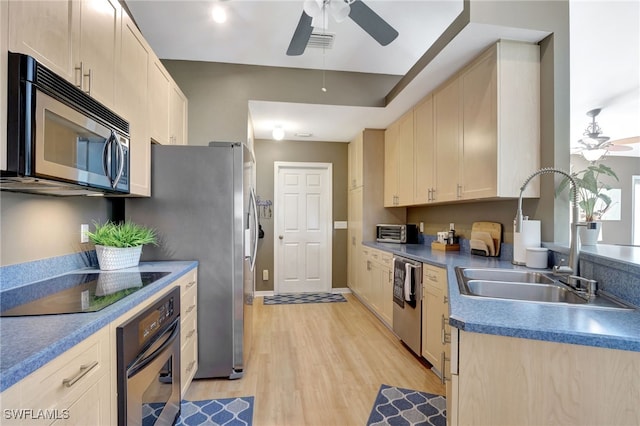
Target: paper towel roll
pixel 528 237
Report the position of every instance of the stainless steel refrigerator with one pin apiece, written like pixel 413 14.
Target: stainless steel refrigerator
pixel 203 205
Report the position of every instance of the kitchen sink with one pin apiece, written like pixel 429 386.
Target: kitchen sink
pixel 529 286
pixel 506 275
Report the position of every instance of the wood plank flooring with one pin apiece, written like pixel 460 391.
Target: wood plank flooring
pixel 319 364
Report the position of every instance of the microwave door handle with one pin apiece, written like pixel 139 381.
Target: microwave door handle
pixel 120 161
pixel 106 156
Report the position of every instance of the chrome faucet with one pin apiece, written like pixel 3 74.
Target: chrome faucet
pixel 569 271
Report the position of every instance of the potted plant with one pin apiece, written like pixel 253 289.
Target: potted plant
pixel 593 199
pixel 119 245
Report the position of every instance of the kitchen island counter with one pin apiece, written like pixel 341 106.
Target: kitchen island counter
pixel 29 342
pixel 606 328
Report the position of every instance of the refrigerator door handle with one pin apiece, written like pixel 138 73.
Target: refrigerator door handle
pixel 255 222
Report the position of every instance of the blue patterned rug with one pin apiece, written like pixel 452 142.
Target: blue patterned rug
pixel 287 299
pixel 405 407
pixel 212 412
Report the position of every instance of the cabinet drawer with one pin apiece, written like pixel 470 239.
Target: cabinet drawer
pixel 436 277
pixel 188 362
pixel 188 327
pixel 387 260
pixel 64 379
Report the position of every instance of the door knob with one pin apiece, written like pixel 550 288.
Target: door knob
pixel 281 236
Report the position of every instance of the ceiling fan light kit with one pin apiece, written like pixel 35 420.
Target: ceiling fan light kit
pixel 594 145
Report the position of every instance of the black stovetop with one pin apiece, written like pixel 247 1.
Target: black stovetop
pixel 74 293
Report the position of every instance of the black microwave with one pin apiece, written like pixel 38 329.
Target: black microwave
pixel 61 141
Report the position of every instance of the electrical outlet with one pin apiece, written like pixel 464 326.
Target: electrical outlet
pixel 265 275
pixel 422 227
pixel 84 228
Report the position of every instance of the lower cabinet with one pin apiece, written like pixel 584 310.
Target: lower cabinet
pixel 376 283
pixel 435 316
pixel 188 329
pixel 509 380
pixel 72 389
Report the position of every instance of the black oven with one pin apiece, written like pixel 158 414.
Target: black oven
pixel 56 133
pixel 148 365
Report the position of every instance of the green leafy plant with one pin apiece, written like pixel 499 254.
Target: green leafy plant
pixel 123 234
pixel 590 190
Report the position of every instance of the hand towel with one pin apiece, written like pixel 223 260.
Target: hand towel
pixel 407 282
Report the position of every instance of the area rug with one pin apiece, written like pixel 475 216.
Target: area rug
pixel 211 412
pixel 405 407
pixel 287 299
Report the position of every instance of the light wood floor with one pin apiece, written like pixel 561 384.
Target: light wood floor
pixel 319 364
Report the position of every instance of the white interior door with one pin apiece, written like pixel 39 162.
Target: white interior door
pixel 302 228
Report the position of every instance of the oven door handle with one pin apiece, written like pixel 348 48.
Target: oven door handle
pixel 153 351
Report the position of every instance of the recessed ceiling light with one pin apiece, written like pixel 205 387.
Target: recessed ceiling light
pixel 219 14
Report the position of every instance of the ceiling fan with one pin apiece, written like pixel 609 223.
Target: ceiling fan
pixel 594 146
pixel 315 13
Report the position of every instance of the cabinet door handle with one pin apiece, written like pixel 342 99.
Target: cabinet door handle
pixel 433 194
pixel 81 70
pixel 444 336
pixel 84 369
pixel 191 333
pixel 88 75
pixel 443 360
pixel 191 284
pixel 190 367
pixel 445 300
pixel 459 191
pixel 191 308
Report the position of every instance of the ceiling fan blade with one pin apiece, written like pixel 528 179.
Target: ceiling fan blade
pixel 372 23
pixel 627 141
pixel 619 148
pixel 300 36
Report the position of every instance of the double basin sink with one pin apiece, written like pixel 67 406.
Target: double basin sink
pixel 527 286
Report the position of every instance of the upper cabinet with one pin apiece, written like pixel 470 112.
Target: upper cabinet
pixel 131 101
pixel 167 107
pixel 391 165
pixel 76 39
pixel 177 116
pixel 355 162
pixel 399 162
pixel 478 135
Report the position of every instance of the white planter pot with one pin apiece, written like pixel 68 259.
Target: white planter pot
pixel 110 258
pixel 589 237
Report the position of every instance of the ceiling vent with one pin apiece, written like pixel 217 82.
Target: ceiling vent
pixel 321 40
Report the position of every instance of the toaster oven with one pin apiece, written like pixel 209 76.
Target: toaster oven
pixel 401 234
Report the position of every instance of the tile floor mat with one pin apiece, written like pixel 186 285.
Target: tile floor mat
pixel 286 299
pixel 405 407
pixel 211 412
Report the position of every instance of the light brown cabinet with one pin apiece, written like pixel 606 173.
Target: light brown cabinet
pixel 509 380
pixel 366 202
pixel 75 386
pixel 376 284
pixel 477 136
pixel 355 161
pixel 167 107
pixel 77 40
pixel 435 317
pixel 188 328
pixel 399 162
pixel 424 147
pixel 131 102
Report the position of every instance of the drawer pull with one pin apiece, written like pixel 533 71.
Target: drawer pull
pixel 191 284
pixel 191 333
pixel 445 300
pixel 443 360
pixel 84 369
pixel 190 367
pixel 444 336
pixel 191 308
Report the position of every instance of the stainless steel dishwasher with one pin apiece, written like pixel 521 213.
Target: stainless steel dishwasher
pixel 407 298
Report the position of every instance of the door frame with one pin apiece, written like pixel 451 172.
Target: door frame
pixel 328 168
